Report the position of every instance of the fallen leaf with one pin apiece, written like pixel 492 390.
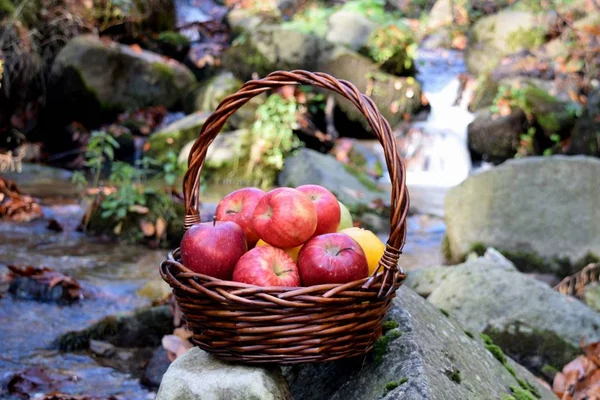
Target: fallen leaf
pixel 161 227
pixel 147 228
pixel 136 208
pixel 136 48
pixel 175 346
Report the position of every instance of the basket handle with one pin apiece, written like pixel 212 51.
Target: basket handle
pixel 380 126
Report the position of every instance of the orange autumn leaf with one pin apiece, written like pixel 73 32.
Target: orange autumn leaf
pixel 580 378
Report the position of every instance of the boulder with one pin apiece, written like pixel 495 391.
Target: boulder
pixel 246 20
pixel 585 138
pixel 93 77
pixel 207 96
pixel 495 36
pixel 540 212
pixel 198 375
pixel 350 29
pixel 496 138
pixel 175 136
pixel 271 48
pixel 142 328
pixel 223 151
pixel 425 280
pixel 156 368
pixel 423 355
pixel 311 167
pixel 440 15
pixel 530 321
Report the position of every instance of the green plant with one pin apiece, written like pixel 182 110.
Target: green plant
pixel 100 148
pixel 393 47
pixel 135 202
pixel 372 9
pixel 174 39
pixel 526 143
pixel 313 20
pixel 269 141
pixel 526 38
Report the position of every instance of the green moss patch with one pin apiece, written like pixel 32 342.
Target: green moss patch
pixel 533 348
pixel 380 346
pixel 525 388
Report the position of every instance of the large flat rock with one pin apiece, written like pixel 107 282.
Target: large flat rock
pixel 533 323
pixel 541 212
pixel 426 356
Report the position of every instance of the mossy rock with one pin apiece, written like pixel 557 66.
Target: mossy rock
pixel 495 36
pixel 208 94
pixel 273 48
pixel 533 348
pixel 91 76
pixel 554 223
pixel 423 356
pixel 142 328
pixel 512 309
pixel 175 136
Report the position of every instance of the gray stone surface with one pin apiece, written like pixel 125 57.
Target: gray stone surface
pixel 496 138
pixel 271 48
pixel 110 76
pixel 199 376
pixel 425 280
pixel 311 167
pixel 494 36
pixel 207 96
pixel 533 323
pixel 222 152
pixel 350 29
pixel 423 363
pixel 541 212
pixel 176 135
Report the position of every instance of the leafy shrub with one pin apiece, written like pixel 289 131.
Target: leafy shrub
pixel 393 47
pixel 135 202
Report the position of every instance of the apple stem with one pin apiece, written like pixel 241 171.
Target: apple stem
pixel 214 220
pixel 283 272
pixel 344 249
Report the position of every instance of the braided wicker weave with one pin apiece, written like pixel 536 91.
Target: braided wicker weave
pixel 575 284
pixel 283 325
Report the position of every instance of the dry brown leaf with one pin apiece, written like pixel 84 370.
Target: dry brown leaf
pixel 136 48
pixel 161 227
pixel 136 208
pixel 147 228
pixel 175 346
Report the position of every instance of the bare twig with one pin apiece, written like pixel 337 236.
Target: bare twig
pixel 329 119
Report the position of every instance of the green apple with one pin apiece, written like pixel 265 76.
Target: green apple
pixel 345 219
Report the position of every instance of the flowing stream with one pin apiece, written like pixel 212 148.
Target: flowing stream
pixel 436 150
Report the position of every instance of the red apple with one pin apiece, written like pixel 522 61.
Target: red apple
pixel 238 206
pixel 213 248
pixel 328 208
pixel 331 258
pixel 285 217
pixel 266 266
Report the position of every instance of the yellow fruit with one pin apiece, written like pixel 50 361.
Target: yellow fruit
pixel 292 251
pixel 370 243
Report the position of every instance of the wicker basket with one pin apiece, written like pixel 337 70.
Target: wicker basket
pixel 246 323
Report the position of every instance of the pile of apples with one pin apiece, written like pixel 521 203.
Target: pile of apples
pixel 286 237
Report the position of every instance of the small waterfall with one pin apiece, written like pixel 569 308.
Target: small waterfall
pixel 435 150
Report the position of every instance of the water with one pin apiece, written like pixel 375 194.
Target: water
pixel 435 150
pixel 113 273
